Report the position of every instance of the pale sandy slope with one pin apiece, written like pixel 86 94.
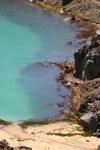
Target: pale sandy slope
pixel 39 137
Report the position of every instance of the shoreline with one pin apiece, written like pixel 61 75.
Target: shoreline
pixel 62 117
pixel 61 10
pixel 77 86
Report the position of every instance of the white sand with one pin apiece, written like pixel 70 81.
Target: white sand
pixel 37 137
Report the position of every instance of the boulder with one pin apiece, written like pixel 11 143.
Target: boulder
pixel 89 121
pixel 89 112
pixel 87 60
pixel 4 145
pixel 91 103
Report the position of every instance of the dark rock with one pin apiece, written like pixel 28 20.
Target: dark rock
pixel 73 18
pixel 66 2
pixel 89 121
pixel 91 103
pixel 4 145
pixel 87 60
pixel 98 97
pixel 89 112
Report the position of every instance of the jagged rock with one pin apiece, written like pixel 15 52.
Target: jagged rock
pixel 87 60
pixel 4 145
pixel 90 121
pixel 89 112
pixel 91 103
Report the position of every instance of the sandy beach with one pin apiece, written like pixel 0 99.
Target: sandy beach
pixel 54 136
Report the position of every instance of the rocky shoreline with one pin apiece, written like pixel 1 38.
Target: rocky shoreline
pixel 76 9
pixel 84 80
pixel 86 67
pixel 85 9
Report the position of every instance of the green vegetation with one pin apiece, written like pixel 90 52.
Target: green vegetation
pixel 84 134
pixel 70 118
pixel 25 124
pixel 3 122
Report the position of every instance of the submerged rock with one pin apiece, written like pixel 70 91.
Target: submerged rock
pixel 87 60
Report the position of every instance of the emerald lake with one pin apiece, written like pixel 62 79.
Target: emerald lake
pixel 29 37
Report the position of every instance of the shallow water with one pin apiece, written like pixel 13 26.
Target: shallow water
pixel 30 36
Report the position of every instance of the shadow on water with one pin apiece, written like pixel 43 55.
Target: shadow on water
pixel 44 91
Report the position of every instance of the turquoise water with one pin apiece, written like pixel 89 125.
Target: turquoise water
pixel 30 36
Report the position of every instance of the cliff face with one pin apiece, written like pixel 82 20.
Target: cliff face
pixel 87 60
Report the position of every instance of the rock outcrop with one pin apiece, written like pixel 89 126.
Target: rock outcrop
pixel 87 67
pixel 87 60
pixel 4 145
pixel 89 112
pixel 85 9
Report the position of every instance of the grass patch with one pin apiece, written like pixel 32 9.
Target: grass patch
pixel 84 134
pixel 70 118
pixel 25 124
